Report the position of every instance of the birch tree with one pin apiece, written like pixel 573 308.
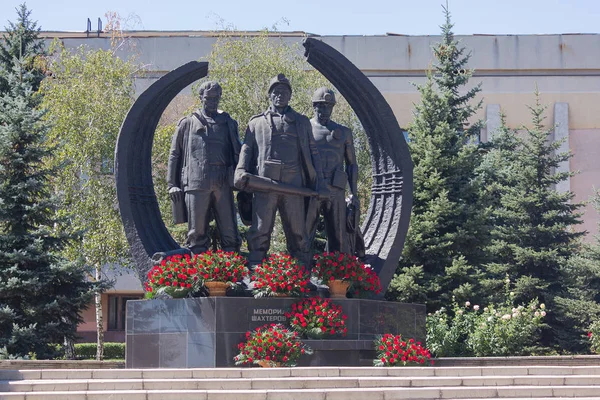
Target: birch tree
pixel 88 95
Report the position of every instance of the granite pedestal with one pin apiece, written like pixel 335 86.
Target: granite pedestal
pixel 205 332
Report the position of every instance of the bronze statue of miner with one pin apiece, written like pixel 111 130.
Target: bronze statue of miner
pixel 280 164
pixel 340 169
pixel 204 152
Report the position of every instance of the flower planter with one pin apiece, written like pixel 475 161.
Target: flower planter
pixel 338 288
pixel 268 364
pixel 216 288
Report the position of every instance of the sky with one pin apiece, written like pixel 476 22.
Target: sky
pixel 323 17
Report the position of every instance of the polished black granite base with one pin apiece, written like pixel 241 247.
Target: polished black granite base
pixel 205 332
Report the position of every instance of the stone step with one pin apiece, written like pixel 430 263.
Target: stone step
pixel 229 373
pixel 64 385
pixel 319 394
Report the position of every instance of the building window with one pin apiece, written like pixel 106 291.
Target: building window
pixel 116 311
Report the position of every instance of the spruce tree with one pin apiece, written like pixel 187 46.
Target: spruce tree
pixel 579 307
pixel 445 240
pixel 534 233
pixel 41 295
pixel 498 173
pixel 22 43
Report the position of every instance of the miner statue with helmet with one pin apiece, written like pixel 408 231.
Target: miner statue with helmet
pixel 203 156
pixel 279 163
pixel 340 169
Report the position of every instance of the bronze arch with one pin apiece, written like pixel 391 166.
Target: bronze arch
pixel 386 222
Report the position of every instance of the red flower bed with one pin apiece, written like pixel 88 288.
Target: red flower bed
pixel 176 276
pixel 331 266
pixel 317 318
pixel 272 343
pixel 279 274
pixel 392 351
pixel 366 280
pixel 221 266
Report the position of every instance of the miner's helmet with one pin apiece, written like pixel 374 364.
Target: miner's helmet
pixel 210 88
pixel 280 79
pixel 323 95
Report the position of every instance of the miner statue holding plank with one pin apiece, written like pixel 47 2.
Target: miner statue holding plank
pixel 279 162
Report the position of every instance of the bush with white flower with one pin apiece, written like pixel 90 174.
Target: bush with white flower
pixel 506 330
pixel 495 330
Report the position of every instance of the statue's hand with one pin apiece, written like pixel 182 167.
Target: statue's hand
pixel 324 193
pixel 354 200
pixel 176 194
pixel 240 179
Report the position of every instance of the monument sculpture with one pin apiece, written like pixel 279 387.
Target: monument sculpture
pixel 338 160
pixel 204 152
pixel 386 220
pixel 280 163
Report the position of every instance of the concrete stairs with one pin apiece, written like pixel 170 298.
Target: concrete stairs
pixel 306 383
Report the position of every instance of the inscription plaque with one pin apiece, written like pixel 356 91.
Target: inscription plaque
pixel 263 316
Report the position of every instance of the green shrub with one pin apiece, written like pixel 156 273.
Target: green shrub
pixel 496 330
pixel 112 351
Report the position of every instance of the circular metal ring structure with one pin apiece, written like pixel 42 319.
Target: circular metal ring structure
pixel 386 223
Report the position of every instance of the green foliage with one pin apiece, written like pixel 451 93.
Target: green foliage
pixel 444 245
pixel 533 237
pixel 41 294
pixel 496 330
pixel 112 351
pixel 88 95
pixel 5 355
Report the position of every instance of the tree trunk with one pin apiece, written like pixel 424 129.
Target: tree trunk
pixel 99 318
pixel 69 348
